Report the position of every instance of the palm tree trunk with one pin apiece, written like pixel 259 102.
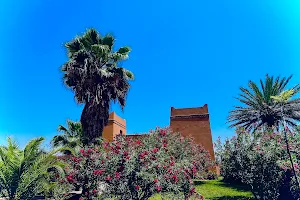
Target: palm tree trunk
pixel 291 159
pixel 288 149
pixel 93 119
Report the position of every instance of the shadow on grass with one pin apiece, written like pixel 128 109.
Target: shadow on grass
pixel 232 198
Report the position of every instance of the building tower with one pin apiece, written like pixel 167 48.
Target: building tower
pixel 193 122
pixel 115 126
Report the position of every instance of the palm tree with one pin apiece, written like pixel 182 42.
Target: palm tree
pixel 72 137
pixel 261 109
pixel 24 173
pixel 94 73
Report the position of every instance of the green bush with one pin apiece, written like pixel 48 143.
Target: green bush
pixel 258 160
pixel 26 173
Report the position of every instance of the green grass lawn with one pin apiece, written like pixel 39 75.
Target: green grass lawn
pixel 218 190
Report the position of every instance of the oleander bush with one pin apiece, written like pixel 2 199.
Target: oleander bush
pixel 160 162
pixel 260 161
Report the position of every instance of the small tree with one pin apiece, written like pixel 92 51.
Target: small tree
pixel 72 137
pixel 25 173
pixel 160 162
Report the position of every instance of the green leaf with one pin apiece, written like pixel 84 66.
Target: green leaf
pixel 124 50
pixel 108 40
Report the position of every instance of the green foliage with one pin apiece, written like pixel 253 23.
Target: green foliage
pixel 94 73
pixel 25 173
pixel 71 138
pixel 261 106
pixel 284 96
pixel 258 160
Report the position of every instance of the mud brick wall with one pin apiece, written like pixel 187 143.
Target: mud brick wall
pixel 193 122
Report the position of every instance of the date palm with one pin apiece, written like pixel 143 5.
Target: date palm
pixel 94 73
pixel 72 137
pixel 25 173
pixel 260 108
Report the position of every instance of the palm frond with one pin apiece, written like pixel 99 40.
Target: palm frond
pixel 268 104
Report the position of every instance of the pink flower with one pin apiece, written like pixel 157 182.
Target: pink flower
pixel 89 150
pixel 117 175
pixel 163 132
pixel 172 163
pixel 284 168
pixel 98 172
pixel 94 191
pixel 105 145
pixel 77 160
pixel 138 142
pixel 194 170
pixel 70 178
pixel 141 156
pixel 108 178
pixel 158 188
pixel 156 180
pixel 193 190
pixel 137 187
pixel 165 145
pixel 174 177
pixel 155 150
pixel 116 151
pixel 125 153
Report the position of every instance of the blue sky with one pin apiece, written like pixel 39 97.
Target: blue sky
pixel 184 54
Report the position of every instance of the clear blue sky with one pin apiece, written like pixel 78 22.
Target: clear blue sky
pixel 184 54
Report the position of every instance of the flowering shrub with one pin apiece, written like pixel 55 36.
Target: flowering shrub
pixel 161 162
pixel 258 160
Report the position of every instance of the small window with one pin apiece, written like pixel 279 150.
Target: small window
pixel 121 132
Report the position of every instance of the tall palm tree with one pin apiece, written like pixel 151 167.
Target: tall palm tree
pixel 261 109
pixel 23 173
pixel 94 73
pixel 72 137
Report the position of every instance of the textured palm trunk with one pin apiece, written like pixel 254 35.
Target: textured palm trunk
pixel 94 118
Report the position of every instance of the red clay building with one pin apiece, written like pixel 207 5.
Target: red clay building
pixel 115 126
pixel 192 122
